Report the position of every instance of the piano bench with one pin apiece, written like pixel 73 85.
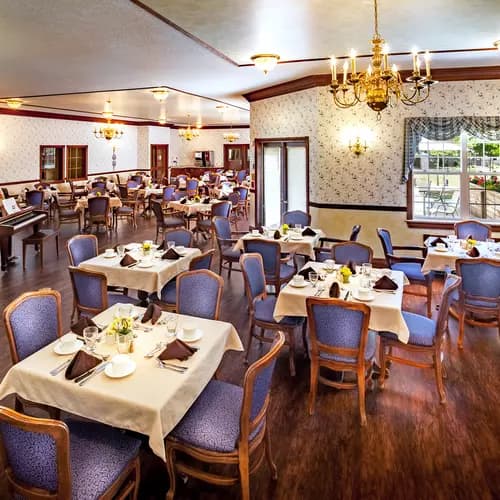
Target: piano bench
pixel 38 239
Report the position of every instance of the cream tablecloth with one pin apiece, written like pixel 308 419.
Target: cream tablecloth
pixel 151 401
pixel 385 308
pixel 151 279
pixel 304 246
pixel 190 208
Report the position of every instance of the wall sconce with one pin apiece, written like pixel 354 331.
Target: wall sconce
pixel 358 147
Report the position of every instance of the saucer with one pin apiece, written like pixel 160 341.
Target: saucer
pixel 369 298
pixel 132 246
pixel 258 235
pixel 131 366
pixel 197 336
pixel 441 249
pixel 181 252
pixel 296 238
pixel 299 285
pixel 110 255
pixel 145 264
pixel 64 351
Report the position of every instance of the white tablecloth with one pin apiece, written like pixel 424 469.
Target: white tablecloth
pixel 150 401
pixel 151 279
pixel 304 246
pixel 385 308
pixel 190 208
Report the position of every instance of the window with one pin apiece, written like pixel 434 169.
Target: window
pixel 76 162
pixel 456 178
pixel 51 163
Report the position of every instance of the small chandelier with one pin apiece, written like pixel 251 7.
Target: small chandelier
pixel 14 103
pixel 160 94
pixel 265 62
pixel 189 133
pixel 380 85
pixel 108 131
pixel 231 136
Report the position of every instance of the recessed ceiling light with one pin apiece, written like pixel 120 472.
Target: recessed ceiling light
pixel 14 103
pixel 265 62
pixel 160 93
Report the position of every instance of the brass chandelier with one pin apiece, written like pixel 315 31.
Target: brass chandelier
pixel 108 131
pixel 189 133
pixel 380 85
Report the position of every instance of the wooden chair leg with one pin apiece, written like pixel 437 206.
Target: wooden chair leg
pixel 170 456
pixel 229 269
pixel 439 377
pixel 41 255
pixel 429 298
pixel 243 466
pixel 57 245
pixel 461 326
pixel 313 385
pixel 269 455
pixel 304 340
pixel 220 265
pixel 291 351
pixel 24 256
pixel 361 396
pixel 383 363
pixel 249 341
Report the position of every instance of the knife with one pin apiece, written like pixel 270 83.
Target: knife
pixel 347 295
pixel 86 374
pixel 93 373
pixel 60 368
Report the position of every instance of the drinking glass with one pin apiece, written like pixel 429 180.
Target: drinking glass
pixel 90 334
pixel 171 327
pixel 121 250
pixel 123 343
pixel 298 228
pixel 367 269
pixel 358 269
pixel 170 244
pixel 329 265
pixel 313 278
pixel 125 310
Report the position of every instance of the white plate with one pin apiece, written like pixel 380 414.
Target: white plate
pixel 440 249
pixel 64 351
pixel 197 336
pixel 110 256
pixel 297 285
pixel 181 252
pixel 258 235
pixel 296 238
pixel 145 264
pixel 130 369
pixel 132 246
pixel 365 299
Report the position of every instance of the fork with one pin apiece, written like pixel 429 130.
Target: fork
pixel 60 368
pixel 166 363
pixel 168 367
pixel 137 326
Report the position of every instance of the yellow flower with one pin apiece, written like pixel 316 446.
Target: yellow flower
pixel 146 247
pixel 472 242
pixel 120 326
pixel 345 271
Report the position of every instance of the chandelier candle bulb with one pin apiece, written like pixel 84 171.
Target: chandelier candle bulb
pixel 333 67
pixel 415 55
pixel 353 62
pixel 346 65
pixel 427 59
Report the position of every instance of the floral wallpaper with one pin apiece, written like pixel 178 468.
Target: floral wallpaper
pixel 338 176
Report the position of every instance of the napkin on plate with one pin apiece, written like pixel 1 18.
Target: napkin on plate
pixel 177 350
pixel 206 201
pixel 352 266
pixel 385 283
pixel 438 240
pixel 81 324
pixel 81 363
pixel 170 254
pixel 153 313
pixel 473 252
pixel 334 290
pixel 127 260
pixel 305 272
pixel 308 232
pixel 277 235
pixel 258 228
pixel 129 248
pixel 183 201
pixel 161 247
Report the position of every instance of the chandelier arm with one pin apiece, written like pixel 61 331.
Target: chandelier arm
pixel 375 9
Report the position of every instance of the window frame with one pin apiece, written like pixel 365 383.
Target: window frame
pixel 85 148
pixel 62 149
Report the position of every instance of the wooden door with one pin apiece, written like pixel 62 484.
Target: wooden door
pixel 159 161
pixel 236 157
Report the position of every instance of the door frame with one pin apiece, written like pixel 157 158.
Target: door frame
pixel 259 163
pixel 244 155
pixel 151 147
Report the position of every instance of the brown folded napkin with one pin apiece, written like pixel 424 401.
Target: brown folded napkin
pixel 334 290
pixel 183 201
pixel 153 313
pixel 468 237
pixel 277 235
pixel 352 266
pixel 223 198
pixel 81 363
pixel 127 260
pixel 305 272
pixel 162 246
pixel 439 240
pixel 385 283
pixel 177 350
pixel 81 324
pixel 170 254
pixel 206 201
pixel 473 252
pixel 259 228
pixel 308 232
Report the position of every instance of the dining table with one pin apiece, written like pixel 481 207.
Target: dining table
pixel 191 208
pixel 386 306
pixel 82 204
pixel 150 400
pixel 148 275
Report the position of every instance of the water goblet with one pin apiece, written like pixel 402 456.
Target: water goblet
pixel 171 322
pixel 170 244
pixel 121 250
pixel 90 334
pixel 313 278
pixel 367 269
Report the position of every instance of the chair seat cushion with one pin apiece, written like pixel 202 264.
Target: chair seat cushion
pixel 173 221
pixel 370 348
pixel 204 224
pixel 264 312
pixel 169 292
pixel 98 455
pixel 213 421
pixel 413 270
pixel 116 298
pixel 422 329
pixel 230 253
pixel 69 213
pixel 124 210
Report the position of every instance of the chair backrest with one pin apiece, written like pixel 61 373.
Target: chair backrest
pixel 95 190
pixel 182 237
pixel 270 252
pixel 168 193
pixel 123 191
pixel 32 321
pixel 222 228
pixel 203 261
pixel 338 328
pixel 297 217
pixel 233 198
pixel 256 390
pixel 34 198
pixel 355 232
pixel 199 293
pixel 89 291
pixel 385 238
pixel 178 195
pixel 473 228
pixel 192 185
pixel 132 184
pixel 37 455
pixel 99 184
pixel 98 206
pixel 241 176
pixel 323 253
pixel 136 178
pixel 243 193
pixel 480 280
pixel 252 268
pixel 81 247
pixel 158 211
pixel 353 252
pixel 450 285
pixel 222 209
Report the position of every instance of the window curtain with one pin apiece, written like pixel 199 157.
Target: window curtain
pixel 442 129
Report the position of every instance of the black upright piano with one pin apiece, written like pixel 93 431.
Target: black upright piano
pixel 11 224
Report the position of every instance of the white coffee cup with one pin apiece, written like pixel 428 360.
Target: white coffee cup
pixel 119 364
pixel 298 279
pixel 363 292
pixel 255 232
pixel 109 251
pixel 441 246
pixel 188 331
pixel 69 340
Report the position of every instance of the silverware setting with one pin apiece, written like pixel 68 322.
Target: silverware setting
pixel 347 295
pixel 175 368
pixel 60 368
pixel 93 373
pixel 153 351
pixel 319 291
pixel 138 326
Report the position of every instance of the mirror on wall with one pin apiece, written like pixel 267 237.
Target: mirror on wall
pixel 236 156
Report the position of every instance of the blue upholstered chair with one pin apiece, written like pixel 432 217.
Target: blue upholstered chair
pixel 473 228
pixel 199 294
pixel 52 459
pixel 323 252
pixel 241 176
pixel 225 242
pixel 243 205
pixel 137 178
pixel 81 247
pixel 296 217
pixel 166 220
pixel 98 212
pixel 90 292
pixel 410 265
pixel 98 184
pixel 276 269
pixel 178 195
pixel 261 308
pixel 181 237
pixel 32 321
pixel 168 194
pixel 204 221
pixel 340 341
pixel 168 296
pixel 479 294
pixel 353 252
pixel 426 338
pixel 34 198
pixel 192 187
pixel 132 184
pixel 227 424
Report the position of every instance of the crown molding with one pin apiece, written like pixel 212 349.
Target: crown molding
pixel 311 81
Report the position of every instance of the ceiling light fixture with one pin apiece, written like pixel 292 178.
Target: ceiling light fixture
pixel 380 85
pixel 109 131
pixel 265 62
pixel 189 133
pixel 160 93
pixel 162 120
pixel 14 103
pixel 496 43
pixel 231 136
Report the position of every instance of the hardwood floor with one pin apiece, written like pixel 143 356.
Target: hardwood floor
pixel 412 446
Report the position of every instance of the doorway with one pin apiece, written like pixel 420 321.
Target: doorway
pixel 236 157
pixel 159 161
pixel 282 178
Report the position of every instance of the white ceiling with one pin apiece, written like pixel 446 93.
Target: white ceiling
pixel 69 46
